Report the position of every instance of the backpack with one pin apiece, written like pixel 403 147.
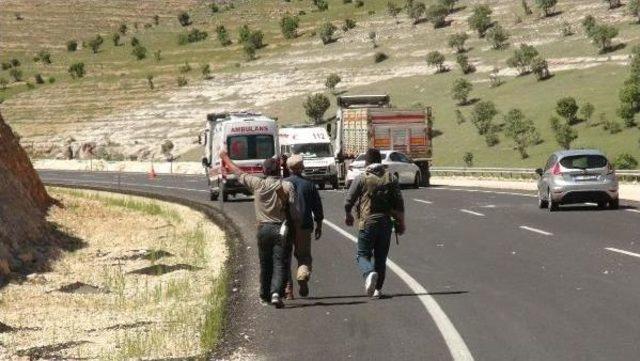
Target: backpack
pixel 381 192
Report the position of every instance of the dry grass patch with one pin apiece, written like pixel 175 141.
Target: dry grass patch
pixel 149 284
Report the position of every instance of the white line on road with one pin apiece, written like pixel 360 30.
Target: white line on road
pixel 623 252
pixel 115 183
pixel 457 347
pixel 484 191
pixel 535 230
pixel 472 212
pixel 423 201
pixel 633 210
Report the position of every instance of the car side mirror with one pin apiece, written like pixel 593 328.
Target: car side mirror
pixel 539 172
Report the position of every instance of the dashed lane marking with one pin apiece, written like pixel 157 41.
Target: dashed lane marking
pixel 535 230
pixel 622 251
pixel 472 212
pixel 423 201
pixel 485 191
pixel 633 210
pixel 457 347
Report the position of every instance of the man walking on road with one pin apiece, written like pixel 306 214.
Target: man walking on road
pixel 272 197
pixel 310 207
pixel 377 198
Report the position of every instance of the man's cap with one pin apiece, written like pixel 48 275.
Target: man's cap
pixel 295 162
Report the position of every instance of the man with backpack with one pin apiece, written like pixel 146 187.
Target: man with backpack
pixel 309 207
pixel 380 208
pixel 272 197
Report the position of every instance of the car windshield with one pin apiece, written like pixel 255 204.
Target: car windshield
pixel 243 147
pixel 585 161
pixel 319 150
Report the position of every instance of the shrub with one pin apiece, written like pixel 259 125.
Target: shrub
pixel 589 23
pixel 156 20
pixel 15 62
pixel 140 52
pixel 611 126
pixel 415 10
pixel 322 5
pixel 625 161
pixel 186 68
pixel 437 14
pixel 449 4
pixel 244 33
pixel 602 36
pixel 16 74
pixel 467 158
pixel 372 37
pixel 30 85
pixel 289 26
pixel 3 83
pixel 348 24
pixel 182 81
pixel 157 55
pixel 214 8
pixel 184 19
pixel 540 68
pixel 460 117
pixel 122 29
pixel 546 6
pixel 249 51
pixel 566 30
pixel 223 35
pixel 482 116
pixel 359 3
pixel 6 65
pixel 95 43
pixel 480 19
pixel 134 42
pixel 44 56
pixel 461 90
pixel 332 80
pixel 457 41
pixel 150 82
pixel 206 71
pixel 326 32
pixel 565 135
pixel 521 130
pixel 497 37
pixel 633 8
pixel 463 63
pixel 51 80
pixel 586 111
pixel 522 58
pixel 491 138
pixel 39 79
pixel 393 10
pixel 380 56
pixel 76 70
pixel 315 106
pixel 116 39
pixel 567 108
pixel 436 59
pixel 193 36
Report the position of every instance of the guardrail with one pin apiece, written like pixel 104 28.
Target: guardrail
pixel 513 173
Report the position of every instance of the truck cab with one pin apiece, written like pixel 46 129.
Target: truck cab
pixel 314 145
pixel 248 138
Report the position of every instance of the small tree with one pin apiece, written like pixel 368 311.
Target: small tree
pixel 348 24
pixel 467 158
pixel 546 6
pixel 602 36
pixel 449 4
pixel 540 68
pixel 332 80
pixel 289 26
pixel 140 52
pixel 72 45
pixel 322 5
pixel 586 111
pixel 315 106
pixel 436 59
pixel 206 71
pixel 625 161
pixel 461 90
pixel 184 19
pixel 379 57
pixel 565 135
pixel 589 23
pixel 480 19
pixel 16 74
pixel 567 108
pixel 166 148
pixel 393 10
pixel 326 32
pixel 122 29
pixel 185 68
pixel 116 39
pixel 633 8
pixel 482 116
pixel 491 137
pixel 150 81
pixel 521 130
pixel 457 41
pixel 15 62
pixel 95 43
pixel 249 51
pixel 223 35
pixel 463 63
pixel 156 20
pixel 214 8
pixel 415 10
pixel 497 36
pixel 39 79
pixel 3 83
pixel 522 58
pixel 566 30
pixel 182 81
pixel 76 70
pixel 437 15
pixel 134 42
pixel 157 55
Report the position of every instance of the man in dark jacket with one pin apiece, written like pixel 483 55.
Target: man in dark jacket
pixel 378 201
pixel 310 208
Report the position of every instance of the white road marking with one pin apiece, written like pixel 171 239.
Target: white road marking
pixel 623 252
pixel 472 212
pixel 423 201
pixel 115 183
pixel 535 230
pixel 489 206
pixel 457 347
pixel 633 210
pixel 485 191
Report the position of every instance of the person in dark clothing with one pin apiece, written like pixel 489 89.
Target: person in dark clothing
pixel 272 197
pixel 311 212
pixel 378 201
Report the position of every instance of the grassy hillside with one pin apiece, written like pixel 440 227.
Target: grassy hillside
pixel 114 106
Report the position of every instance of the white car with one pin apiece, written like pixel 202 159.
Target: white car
pixel 397 163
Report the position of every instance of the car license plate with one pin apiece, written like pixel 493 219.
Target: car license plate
pixel 586 177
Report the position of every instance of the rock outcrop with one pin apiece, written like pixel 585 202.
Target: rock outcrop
pixel 23 206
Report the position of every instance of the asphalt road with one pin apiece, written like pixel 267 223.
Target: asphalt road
pixel 480 275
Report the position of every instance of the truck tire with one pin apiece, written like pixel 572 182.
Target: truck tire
pixel 214 196
pixel 425 174
pixel 335 184
pixel 417 181
pixel 321 186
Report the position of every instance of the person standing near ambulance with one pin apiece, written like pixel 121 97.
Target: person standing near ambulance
pixel 380 208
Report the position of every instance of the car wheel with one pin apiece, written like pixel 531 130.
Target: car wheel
pixel 542 204
pixel 552 205
pixel 614 204
pixel 335 184
pixel 214 196
pixel 321 186
pixel 602 205
pixel 416 180
pixel 225 195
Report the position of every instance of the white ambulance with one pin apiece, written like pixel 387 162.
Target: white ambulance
pixel 248 138
pixel 314 144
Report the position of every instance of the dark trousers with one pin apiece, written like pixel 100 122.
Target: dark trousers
pixel 271 251
pixel 373 248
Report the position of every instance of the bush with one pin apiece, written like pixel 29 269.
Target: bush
pixel 15 62
pixel 223 35
pixel 633 8
pixel 206 71
pixel 567 108
pixel 156 20
pixel 193 36
pixel 332 80
pixel 289 26
pixel 602 36
pixel 586 111
pixel 415 10
pixel 380 56
pixel 51 80
pixel 140 52
pixel 482 116
pixel 44 56
pixel 16 74
pixel 184 19
pixel 565 135
pixel 39 79
pixel 186 68
pixel 76 70
pixel 157 55
pixel 480 19
pixel 611 126
pixel 246 35
pixel 30 85
pixel 182 81
pixel 6 65
pixel 461 90
pixel 491 138
pixel 348 24
pixel 625 161
pixel 214 8
pixel 437 15
pixel 566 30
pixel 540 68
pixel 521 130
pixel 315 106
pixel 497 37
pixel 460 117
pixel 3 83
pixel 436 59
pixel 449 4
pixel 122 29
pixel 150 82
pixel 359 3
pixel 134 42
pixel 393 10
pixel 326 32
pixel 546 6
pixel 457 41
pixel 523 58
pixel 95 43
pixel 116 39
pixel 249 51
pixel 463 63
pixel 467 158
pixel 322 5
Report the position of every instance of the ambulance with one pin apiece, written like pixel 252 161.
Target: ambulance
pixel 314 145
pixel 248 138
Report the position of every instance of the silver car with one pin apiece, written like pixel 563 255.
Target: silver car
pixel 577 176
